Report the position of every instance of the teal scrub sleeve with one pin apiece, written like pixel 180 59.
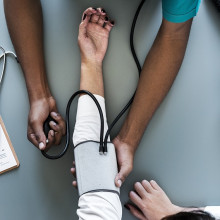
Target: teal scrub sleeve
pixel 178 11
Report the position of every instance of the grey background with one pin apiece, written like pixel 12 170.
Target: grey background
pixel 180 148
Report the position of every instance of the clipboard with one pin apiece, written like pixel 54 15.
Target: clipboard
pixel 8 157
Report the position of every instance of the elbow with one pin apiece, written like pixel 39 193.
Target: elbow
pixel 175 30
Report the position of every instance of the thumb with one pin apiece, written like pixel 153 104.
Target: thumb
pixel 40 136
pixel 83 25
pixel 124 171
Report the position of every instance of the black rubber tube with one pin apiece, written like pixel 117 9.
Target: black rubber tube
pixel 139 71
pixel 101 148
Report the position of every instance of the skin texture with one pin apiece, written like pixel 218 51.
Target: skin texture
pixel 24 18
pixel 150 202
pixel 158 74
pixel 93 43
pixel 25 24
pixel 91 33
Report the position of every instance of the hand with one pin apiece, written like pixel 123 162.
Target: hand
pixel 125 157
pixel 93 38
pixel 151 201
pixel 39 112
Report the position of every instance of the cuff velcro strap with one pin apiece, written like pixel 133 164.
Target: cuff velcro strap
pixel 95 172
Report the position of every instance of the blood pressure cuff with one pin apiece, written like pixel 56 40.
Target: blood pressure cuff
pixel 95 172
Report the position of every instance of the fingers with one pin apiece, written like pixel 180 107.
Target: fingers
pixel 136 199
pixel 87 14
pixel 155 185
pixel 58 118
pixel 51 139
pixel 109 25
pixel 73 171
pixel 101 11
pixel 85 20
pixel 32 138
pixel 59 127
pixel 135 212
pixel 36 135
pixel 147 186
pixel 95 16
pixel 140 190
pixel 58 134
pixel 122 175
pixel 102 20
pixel 98 16
pixel 74 183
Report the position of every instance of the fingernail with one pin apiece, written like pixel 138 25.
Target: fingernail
pixel 119 183
pixel 54 123
pixel 52 133
pixel 103 11
pixel 47 141
pixel 112 22
pixel 54 114
pixel 127 207
pixel 106 18
pixel 41 146
pixel 84 17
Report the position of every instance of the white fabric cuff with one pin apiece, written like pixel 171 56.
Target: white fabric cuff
pixel 88 124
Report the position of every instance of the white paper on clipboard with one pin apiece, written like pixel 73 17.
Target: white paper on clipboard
pixel 8 158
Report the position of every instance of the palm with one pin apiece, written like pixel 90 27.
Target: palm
pixel 97 40
pixel 93 37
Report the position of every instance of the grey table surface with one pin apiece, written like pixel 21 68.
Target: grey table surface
pixel 181 147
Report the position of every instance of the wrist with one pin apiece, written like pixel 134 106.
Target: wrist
pixel 129 137
pixel 118 141
pixel 91 68
pixel 38 94
pixel 91 64
pixel 37 87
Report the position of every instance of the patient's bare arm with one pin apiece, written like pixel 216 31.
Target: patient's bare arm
pixel 25 24
pixel 93 43
pixel 93 40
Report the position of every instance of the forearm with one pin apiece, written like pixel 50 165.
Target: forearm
pixel 92 78
pixel 25 24
pixel 159 71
